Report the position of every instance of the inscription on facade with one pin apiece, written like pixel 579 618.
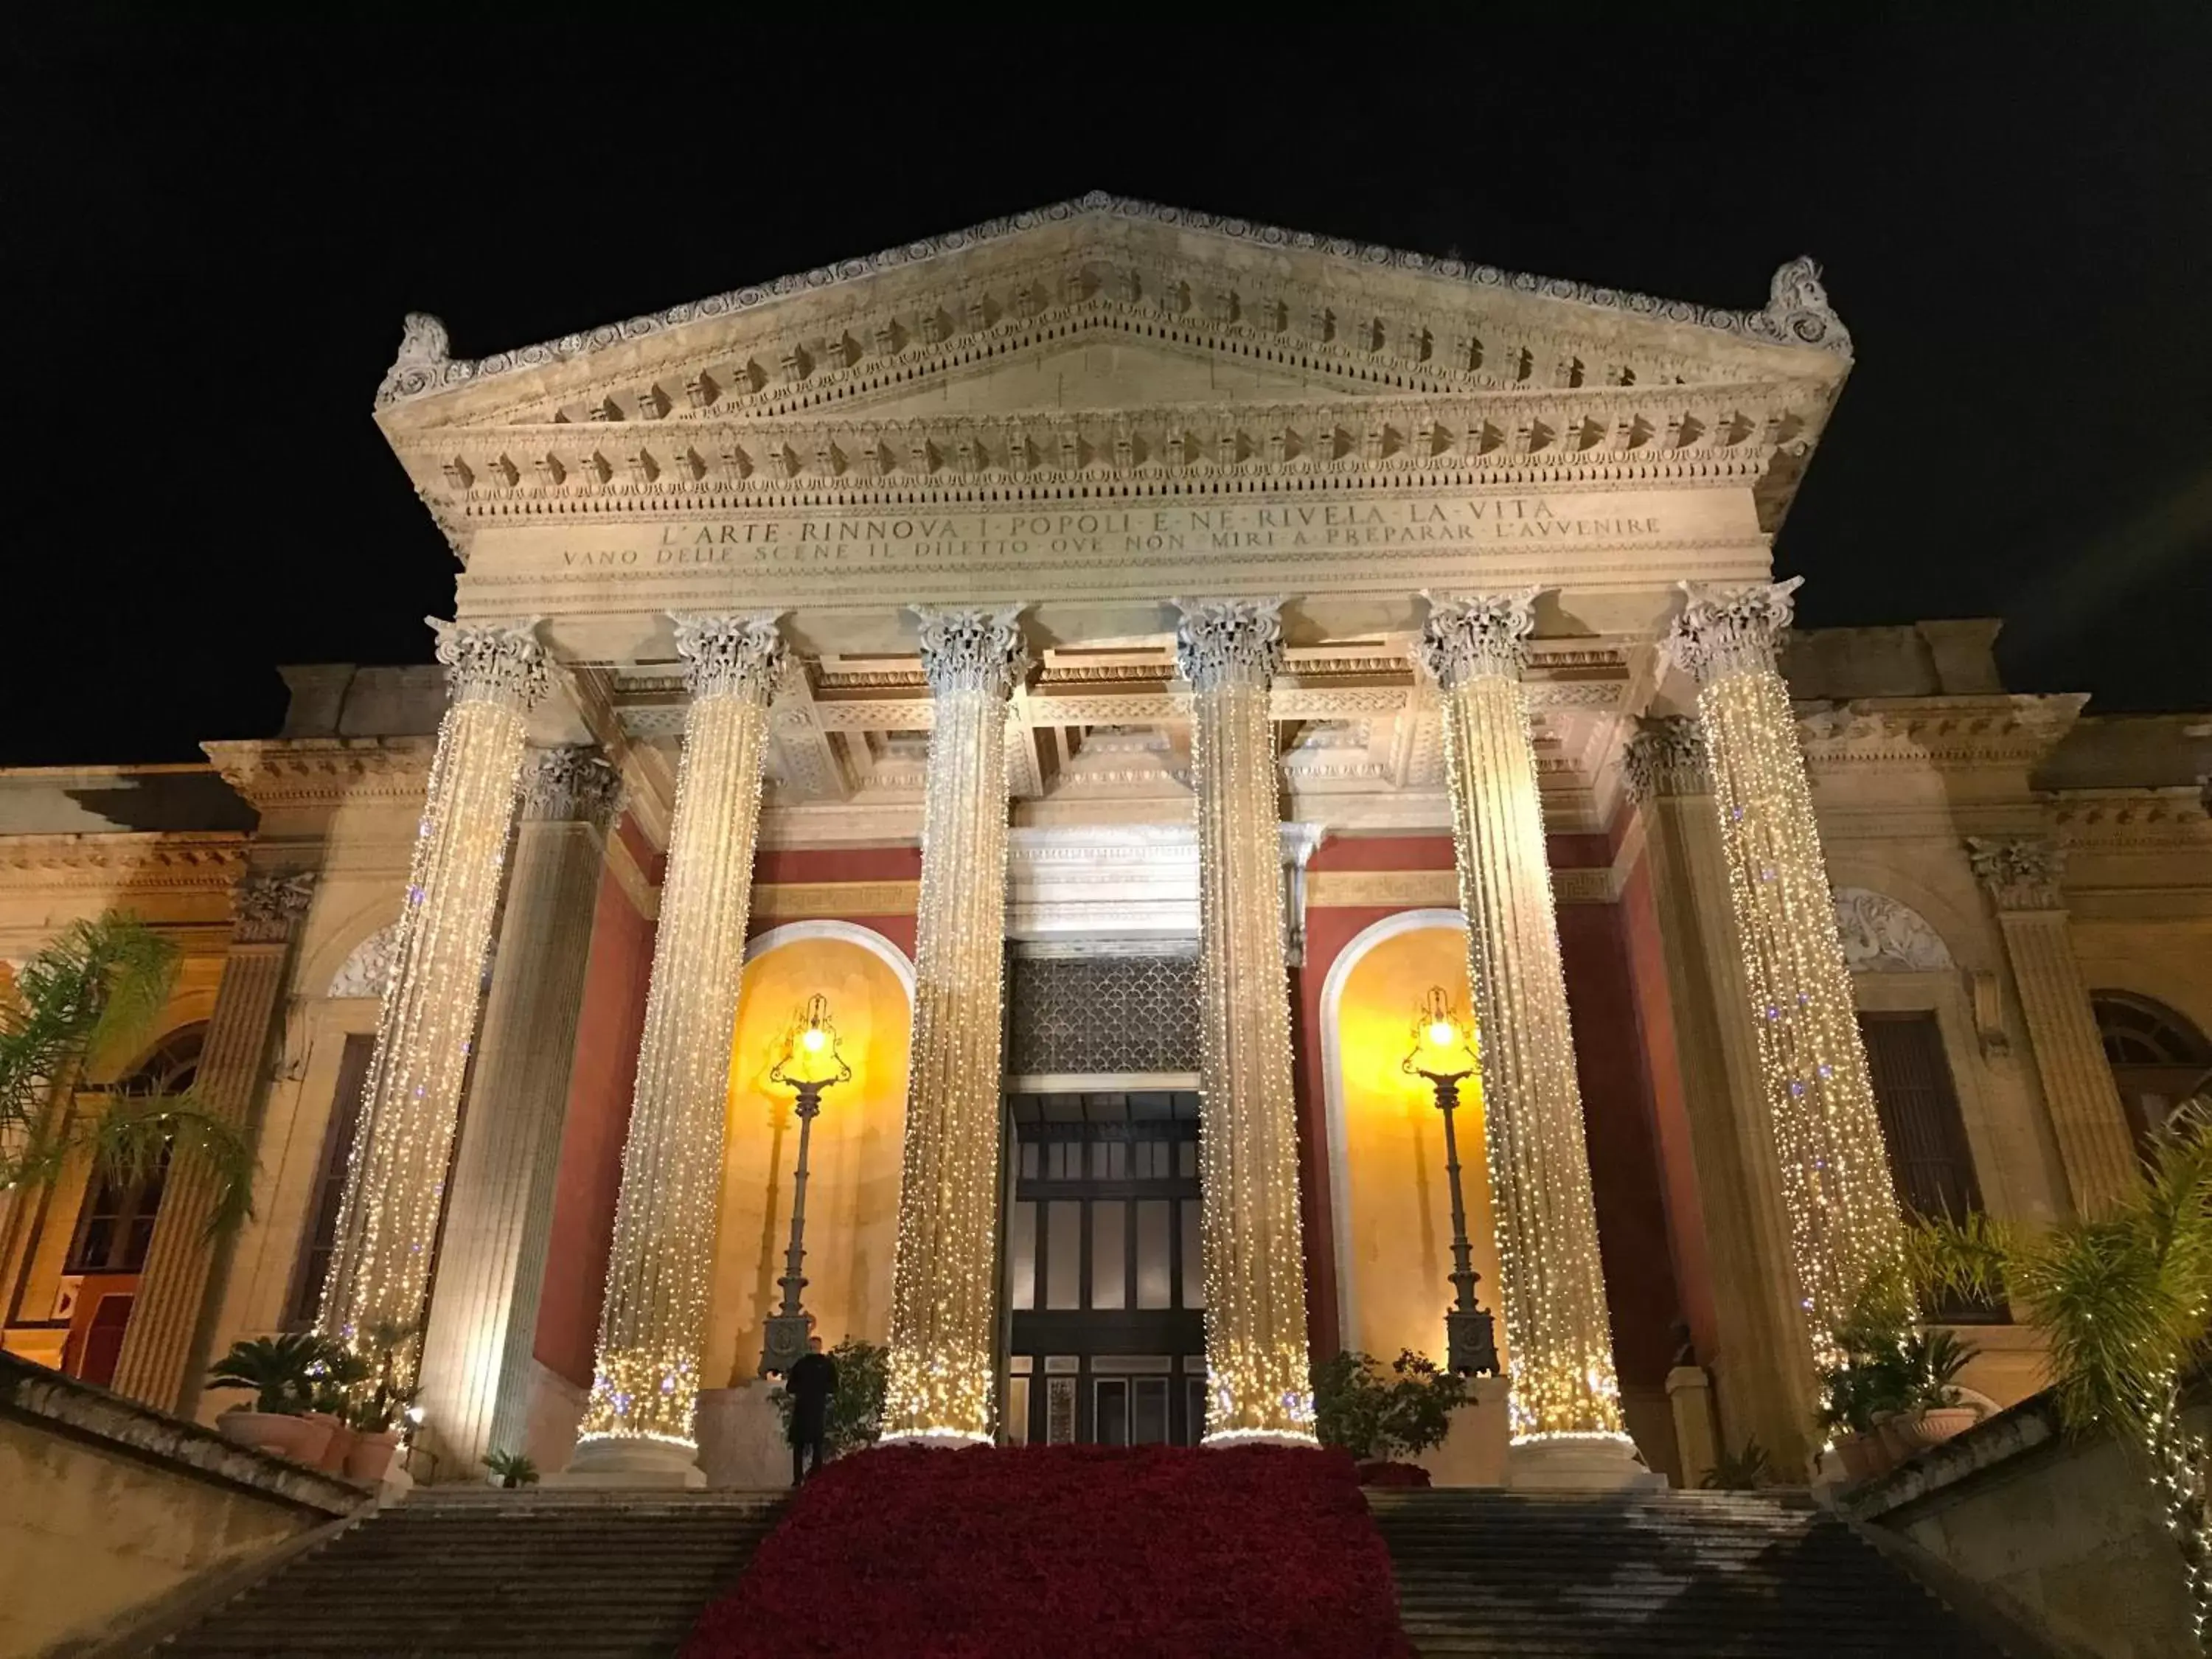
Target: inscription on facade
pixel 859 541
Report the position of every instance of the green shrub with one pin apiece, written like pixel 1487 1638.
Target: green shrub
pixel 1372 1414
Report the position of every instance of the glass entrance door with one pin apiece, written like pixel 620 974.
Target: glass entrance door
pixel 1105 1287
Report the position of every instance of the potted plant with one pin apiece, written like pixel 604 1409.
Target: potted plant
pixel 379 1409
pixel 1866 1386
pixel 1747 1470
pixel 331 1379
pixel 1935 1407
pixel 1385 1421
pixel 856 1416
pixel 509 1470
pixel 2124 1299
pixel 276 1369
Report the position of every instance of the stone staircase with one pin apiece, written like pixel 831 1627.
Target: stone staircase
pixel 1560 1576
pixel 460 1571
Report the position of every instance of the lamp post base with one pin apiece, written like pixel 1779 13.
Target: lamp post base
pixel 1595 1463
pixel 633 1462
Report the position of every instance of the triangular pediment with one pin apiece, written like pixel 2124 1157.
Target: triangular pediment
pixel 1106 303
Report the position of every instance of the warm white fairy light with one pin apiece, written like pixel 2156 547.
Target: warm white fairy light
pixel 645 1384
pixel 1843 1219
pixel 380 1275
pixel 1559 1336
pixel 1256 1355
pixel 945 1273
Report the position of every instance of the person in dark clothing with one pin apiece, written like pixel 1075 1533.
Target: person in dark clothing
pixel 811 1380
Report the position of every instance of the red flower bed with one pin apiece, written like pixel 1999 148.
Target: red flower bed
pixel 1071 1552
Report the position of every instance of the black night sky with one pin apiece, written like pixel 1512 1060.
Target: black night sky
pixel 213 228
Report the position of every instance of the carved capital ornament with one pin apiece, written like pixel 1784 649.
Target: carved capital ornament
pixel 1666 757
pixel 269 904
pixel 973 650
pixel 1722 631
pixel 2021 873
pixel 1223 642
pixel 573 783
pixel 738 655
pixel 492 661
pixel 1471 634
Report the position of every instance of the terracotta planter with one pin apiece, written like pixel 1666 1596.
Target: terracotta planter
pixel 300 1438
pixel 333 1460
pixel 371 1456
pixel 1861 1454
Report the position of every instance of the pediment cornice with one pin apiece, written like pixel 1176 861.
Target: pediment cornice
pixel 314 772
pixel 2008 731
pixel 1364 317
pixel 1755 433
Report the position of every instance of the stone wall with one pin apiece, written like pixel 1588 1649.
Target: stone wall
pixel 2062 1532
pixel 111 1508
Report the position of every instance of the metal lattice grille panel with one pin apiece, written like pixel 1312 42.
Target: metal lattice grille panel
pixel 1093 1014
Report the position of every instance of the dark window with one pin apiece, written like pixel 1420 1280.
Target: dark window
pixel 115 1228
pixel 2159 1060
pixel 330 1180
pixel 1929 1157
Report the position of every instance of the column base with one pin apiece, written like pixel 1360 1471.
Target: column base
pixel 632 1461
pixel 1580 1464
pixel 1473 1451
pixel 742 1442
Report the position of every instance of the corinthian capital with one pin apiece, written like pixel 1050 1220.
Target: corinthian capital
pixel 1733 631
pixel 2021 873
pixel 1469 634
pixel 268 902
pixel 492 661
pixel 1666 757
pixel 736 655
pixel 1230 641
pixel 568 785
pixel 973 650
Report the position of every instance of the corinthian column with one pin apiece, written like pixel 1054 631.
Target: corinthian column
pixel 1763 1372
pixel 2094 1142
pixel 1842 1204
pixel 645 1387
pixel 161 1362
pixel 1558 1337
pixel 1256 1291
pixel 491 1260
pixel 396 1177
pixel 943 1278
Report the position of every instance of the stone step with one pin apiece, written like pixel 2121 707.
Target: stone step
pixel 1529 1576
pixel 593 1574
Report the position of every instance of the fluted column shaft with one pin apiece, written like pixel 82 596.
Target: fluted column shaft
pixel 1843 1219
pixel 1763 1372
pixel 645 1385
pixel 944 1279
pixel 2095 1144
pixel 1257 1356
pixel 160 1363
pixel 483 1305
pixel 396 1177
pixel 1558 1335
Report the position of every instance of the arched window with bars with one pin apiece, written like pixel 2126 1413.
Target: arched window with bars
pixel 2160 1060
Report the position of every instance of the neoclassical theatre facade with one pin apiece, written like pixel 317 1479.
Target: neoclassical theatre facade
pixel 1032 731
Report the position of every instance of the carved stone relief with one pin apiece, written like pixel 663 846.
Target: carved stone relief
pixel 1882 936
pixel 364 972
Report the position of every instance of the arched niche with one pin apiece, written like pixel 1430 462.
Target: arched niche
pixel 1390 1201
pixel 853 1163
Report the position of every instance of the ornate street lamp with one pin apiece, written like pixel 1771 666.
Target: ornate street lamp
pixel 1443 1052
pixel 811 1060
